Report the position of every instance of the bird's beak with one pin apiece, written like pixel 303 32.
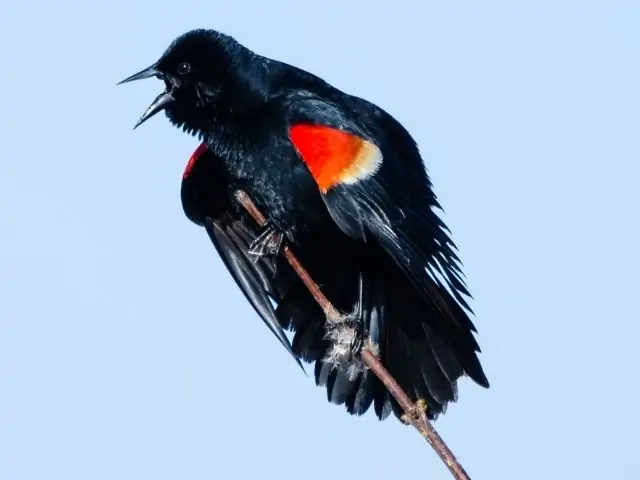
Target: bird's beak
pixel 148 72
pixel 160 103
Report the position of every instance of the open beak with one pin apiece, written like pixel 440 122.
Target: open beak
pixel 160 103
pixel 148 72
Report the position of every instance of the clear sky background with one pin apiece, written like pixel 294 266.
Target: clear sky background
pixel 126 351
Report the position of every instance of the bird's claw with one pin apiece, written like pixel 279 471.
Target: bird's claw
pixel 358 336
pixel 416 412
pixel 267 243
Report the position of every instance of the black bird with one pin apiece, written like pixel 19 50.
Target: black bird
pixel 344 184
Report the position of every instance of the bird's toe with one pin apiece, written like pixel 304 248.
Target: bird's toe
pixel 267 243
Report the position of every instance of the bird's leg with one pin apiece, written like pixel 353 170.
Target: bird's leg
pixel 268 242
pixel 346 334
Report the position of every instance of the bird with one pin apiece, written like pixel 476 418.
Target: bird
pixel 343 184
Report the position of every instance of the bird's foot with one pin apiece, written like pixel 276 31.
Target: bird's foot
pixel 347 340
pixel 267 243
pixel 416 413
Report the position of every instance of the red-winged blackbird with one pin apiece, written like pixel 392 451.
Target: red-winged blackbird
pixel 344 184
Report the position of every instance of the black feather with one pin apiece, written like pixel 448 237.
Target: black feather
pixel 251 283
pixel 382 232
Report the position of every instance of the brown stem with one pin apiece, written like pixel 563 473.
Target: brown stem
pixel 413 414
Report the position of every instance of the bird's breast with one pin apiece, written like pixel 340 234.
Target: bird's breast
pixel 280 184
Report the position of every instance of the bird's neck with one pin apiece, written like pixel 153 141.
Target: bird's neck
pixel 235 118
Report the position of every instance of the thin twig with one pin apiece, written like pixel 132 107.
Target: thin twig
pixel 329 310
pixel 414 415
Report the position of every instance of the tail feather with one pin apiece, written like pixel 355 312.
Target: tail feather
pixel 440 388
pixel 363 396
pixel 444 355
pixel 308 343
pixel 424 352
pixel 339 387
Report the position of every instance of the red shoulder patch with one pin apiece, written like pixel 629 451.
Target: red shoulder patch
pixel 334 156
pixel 193 159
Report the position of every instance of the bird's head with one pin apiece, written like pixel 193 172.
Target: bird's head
pixel 198 70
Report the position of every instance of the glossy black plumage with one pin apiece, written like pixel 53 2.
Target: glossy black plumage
pixel 380 232
pixel 206 203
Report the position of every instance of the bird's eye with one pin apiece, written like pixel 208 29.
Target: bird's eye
pixel 184 68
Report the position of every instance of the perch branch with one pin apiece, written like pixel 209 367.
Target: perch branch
pixel 413 415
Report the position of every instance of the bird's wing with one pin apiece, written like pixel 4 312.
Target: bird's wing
pixel 255 279
pixel 376 188
pixel 205 183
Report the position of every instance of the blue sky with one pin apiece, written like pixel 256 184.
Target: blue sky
pixel 120 328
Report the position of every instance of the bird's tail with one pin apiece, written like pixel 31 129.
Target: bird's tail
pixel 426 353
